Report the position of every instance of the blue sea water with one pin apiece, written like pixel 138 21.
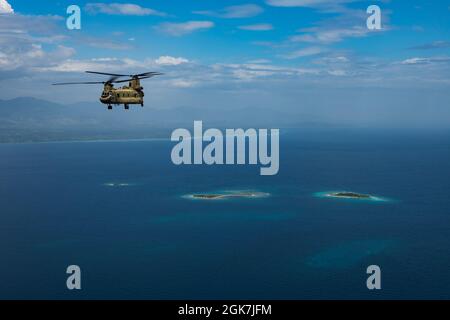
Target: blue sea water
pixel 117 209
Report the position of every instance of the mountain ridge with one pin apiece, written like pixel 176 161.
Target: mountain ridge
pixel 33 119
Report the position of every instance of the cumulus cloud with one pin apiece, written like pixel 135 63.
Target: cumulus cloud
pixel 260 74
pixel 170 61
pixel 180 72
pixel 37 25
pixel 5 7
pixel 29 56
pixel 232 12
pixel 112 64
pixel 127 9
pixel 179 29
pixel 257 27
pixel 22 39
pixel 183 83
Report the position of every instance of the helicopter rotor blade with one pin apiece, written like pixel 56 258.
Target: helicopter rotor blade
pixel 68 83
pixel 127 80
pixel 108 74
pixel 113 79
pixel 151 73
pixel 136 78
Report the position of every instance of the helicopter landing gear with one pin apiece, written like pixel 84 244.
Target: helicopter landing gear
pixel 142 104
pixel 109 107
pixel 126 107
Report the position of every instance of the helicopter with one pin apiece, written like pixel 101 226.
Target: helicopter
pixel 126 95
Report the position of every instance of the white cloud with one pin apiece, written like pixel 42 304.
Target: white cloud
pixel 331 35
pixel 259 61
pixel 105 64
pixel 239 11
pixel 348 23
pixel 63 52
pixel 106 59
pixel 257 27
pixel 337 73
pixel 95 42
pixel 248 72
pixel 22 40
pixel 419 61
pixel 5 7
pixel 20 25
pixel 179 29
pixel 306 52
pixel 178 74
pixel 415 61
pixel 183 83
pixel 433 45
pixel 71 65
pixel 306 3
pixel 332 60
pixel 28 56
pixel 112 64
pixel 127 9
pixel 170 61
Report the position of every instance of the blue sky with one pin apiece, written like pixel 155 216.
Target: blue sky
pixel 410 24
pixel 295 49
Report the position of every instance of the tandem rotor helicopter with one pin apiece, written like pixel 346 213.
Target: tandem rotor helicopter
pixel 126 95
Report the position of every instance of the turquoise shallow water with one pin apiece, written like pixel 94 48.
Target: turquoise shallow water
pixel 117 210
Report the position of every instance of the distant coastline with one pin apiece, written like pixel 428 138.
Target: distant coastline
pixel 87 140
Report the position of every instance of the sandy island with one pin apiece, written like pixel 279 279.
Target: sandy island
pixel 350 195
pixel 217 196
pixel 114 184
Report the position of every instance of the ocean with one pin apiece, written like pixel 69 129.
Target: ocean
pixel 119 210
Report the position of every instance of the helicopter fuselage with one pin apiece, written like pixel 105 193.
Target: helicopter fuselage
pixel 126 95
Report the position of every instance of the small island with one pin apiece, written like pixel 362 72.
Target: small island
pixel 207 196
pixel 227 195
pixel 350 195
pixel 114 184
